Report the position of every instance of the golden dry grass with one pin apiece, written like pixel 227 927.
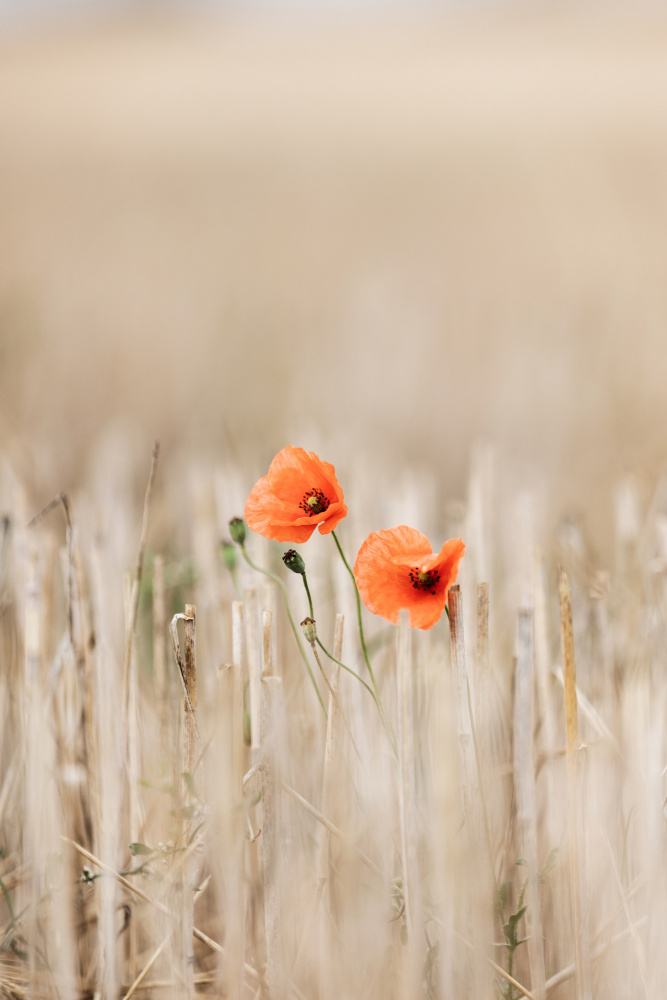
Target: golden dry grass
pixel 385 242
pixel 407 235
pixel 401 900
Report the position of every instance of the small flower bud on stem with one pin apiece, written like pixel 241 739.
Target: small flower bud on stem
pixel 309 627
pixel 293 561
pixel 238 531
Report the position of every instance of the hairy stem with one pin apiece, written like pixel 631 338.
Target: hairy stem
pixel 383 715
pixel 335 699
pixel 326 651
pixel 283 590
pixel 359 620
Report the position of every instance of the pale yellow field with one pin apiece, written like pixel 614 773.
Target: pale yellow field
pixel 434 251
pixel 398 237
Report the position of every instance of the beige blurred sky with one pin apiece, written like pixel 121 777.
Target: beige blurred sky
pixel 397 236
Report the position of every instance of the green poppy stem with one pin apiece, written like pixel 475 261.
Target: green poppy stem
pixel 330 655
pixel 359 620
pixel 385 720
pixel 283 590
pixel 310 600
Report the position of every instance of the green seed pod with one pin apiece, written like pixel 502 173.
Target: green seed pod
pixel 309 630
pixel 293 561
pixel 237 530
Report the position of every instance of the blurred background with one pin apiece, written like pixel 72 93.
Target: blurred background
pixel 383 230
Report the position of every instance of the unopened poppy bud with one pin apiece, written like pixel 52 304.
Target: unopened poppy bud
pixel 228 553
pixel 237 530
pixel 309 630
pixel 293 561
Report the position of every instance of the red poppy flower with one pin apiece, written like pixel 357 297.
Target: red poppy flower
pixel 396 569
pixel 299 493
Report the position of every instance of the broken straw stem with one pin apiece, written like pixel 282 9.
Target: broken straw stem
pixel 270 768
pixel 455 616
pixel 283 589
pixel 577 879
pixel 328 774
pixel 134 599
pixel 328 785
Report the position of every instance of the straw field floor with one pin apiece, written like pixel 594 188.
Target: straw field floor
pixel 503 834
pixel 385 243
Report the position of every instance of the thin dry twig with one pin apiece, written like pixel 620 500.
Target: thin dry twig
pixel 147 967
pixel 330 827
pixel 62 500
pixel 134 599
pixel 581 939
pixel 496 968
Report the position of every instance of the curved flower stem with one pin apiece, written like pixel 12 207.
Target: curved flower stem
pixel 283 589
pixel 374 695
pixel 330 655
pixel 335 699
pixel 376 699
pixel 310 600
pixel 385 720
pixel 361 626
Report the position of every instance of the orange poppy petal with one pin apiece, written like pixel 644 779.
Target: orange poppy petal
pixel 338 510
pixel 382 585
pixel 294 471
pixel 449 559
pixel 383 567
pixel 400 544
pixel 266 515
pixel 287 534
pixel 333 520
pixel 273 508
pixel 428 611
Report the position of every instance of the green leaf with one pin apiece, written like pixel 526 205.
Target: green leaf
pixel 521 861
pixel 504 892
pixel 548 866
pixel 510 928
pixel 8 901
pixel 137 848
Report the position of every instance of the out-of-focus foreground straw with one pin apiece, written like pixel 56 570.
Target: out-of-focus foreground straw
pixel 181 817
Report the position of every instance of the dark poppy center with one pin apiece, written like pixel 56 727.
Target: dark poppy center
pixel 314 502
pixel 424 581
